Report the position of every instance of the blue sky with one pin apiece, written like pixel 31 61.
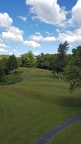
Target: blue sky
pixel 39 25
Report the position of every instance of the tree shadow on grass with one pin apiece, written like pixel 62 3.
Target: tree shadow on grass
pixel 69 101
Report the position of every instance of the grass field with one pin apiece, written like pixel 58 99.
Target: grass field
pixel 34 106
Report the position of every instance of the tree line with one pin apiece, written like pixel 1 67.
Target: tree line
pixel 68 65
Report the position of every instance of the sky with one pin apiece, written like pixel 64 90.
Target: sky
pixel 39 26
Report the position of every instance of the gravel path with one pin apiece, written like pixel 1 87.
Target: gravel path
pixel 26 74
pixel 56 130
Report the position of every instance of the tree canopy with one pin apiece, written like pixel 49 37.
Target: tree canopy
pixel 73 69
pixel 61 59
pixel 28 59
pixel 12 63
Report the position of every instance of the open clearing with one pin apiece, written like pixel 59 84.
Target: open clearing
pixel 34 106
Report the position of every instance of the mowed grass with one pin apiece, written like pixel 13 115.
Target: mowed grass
pixel 71 135
pixel 34 106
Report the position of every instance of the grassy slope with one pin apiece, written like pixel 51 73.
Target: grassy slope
pixel 31 108
pixel 71 135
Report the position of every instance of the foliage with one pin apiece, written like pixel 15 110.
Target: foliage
pixel 12 63
pixel 7 64
pixel 11 79
pixel 63 48
pixel 1 71
pixel 60 61
pixel 2 74
pixel 19 61
pixel 45 61
pixel 73 69
pixel 40 63
pixel 28 59
pixel 3 64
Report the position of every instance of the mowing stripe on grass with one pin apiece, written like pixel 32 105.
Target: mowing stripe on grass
pixel 57 129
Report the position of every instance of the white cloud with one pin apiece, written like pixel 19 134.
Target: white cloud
pixel 15 30
pixel 13 34
pixel 5 20
pixel 10 53
pixel 12 37
pixel 36 53
pixel 31 43
pixel 22 18
pixel 3 50
pixel 76 14
pixel 41 38
pixel 16 51
pixel 3 45
pixel 48 33
pixel 47 11
pixel 71 37
pixel 57 30
pixel 38 33
pixel 1 40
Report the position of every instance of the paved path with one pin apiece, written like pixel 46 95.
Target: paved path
pixel 56 130
pixel 26 74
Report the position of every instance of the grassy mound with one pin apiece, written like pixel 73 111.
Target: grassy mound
pixel 31 108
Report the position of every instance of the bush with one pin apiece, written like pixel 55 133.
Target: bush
pixel 11 79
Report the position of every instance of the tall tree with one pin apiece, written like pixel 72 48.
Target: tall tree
pixel 60 61
pixel 40 60
pixel 4 62
pixel 12 62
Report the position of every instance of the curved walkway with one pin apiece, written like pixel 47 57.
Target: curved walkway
pixel 56 130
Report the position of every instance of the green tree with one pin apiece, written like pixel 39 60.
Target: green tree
pixel 28 59
pixel 40 60
pixel 12 63
pixel 19 61
pixel 2 74
pixel 1 70
pixel 60 60
pixel 4 62
pixel 73 69
pixel 45 61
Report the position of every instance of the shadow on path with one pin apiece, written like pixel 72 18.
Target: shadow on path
pixel 56 130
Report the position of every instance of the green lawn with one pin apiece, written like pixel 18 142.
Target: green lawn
pixel 71 135
pixel 32 107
